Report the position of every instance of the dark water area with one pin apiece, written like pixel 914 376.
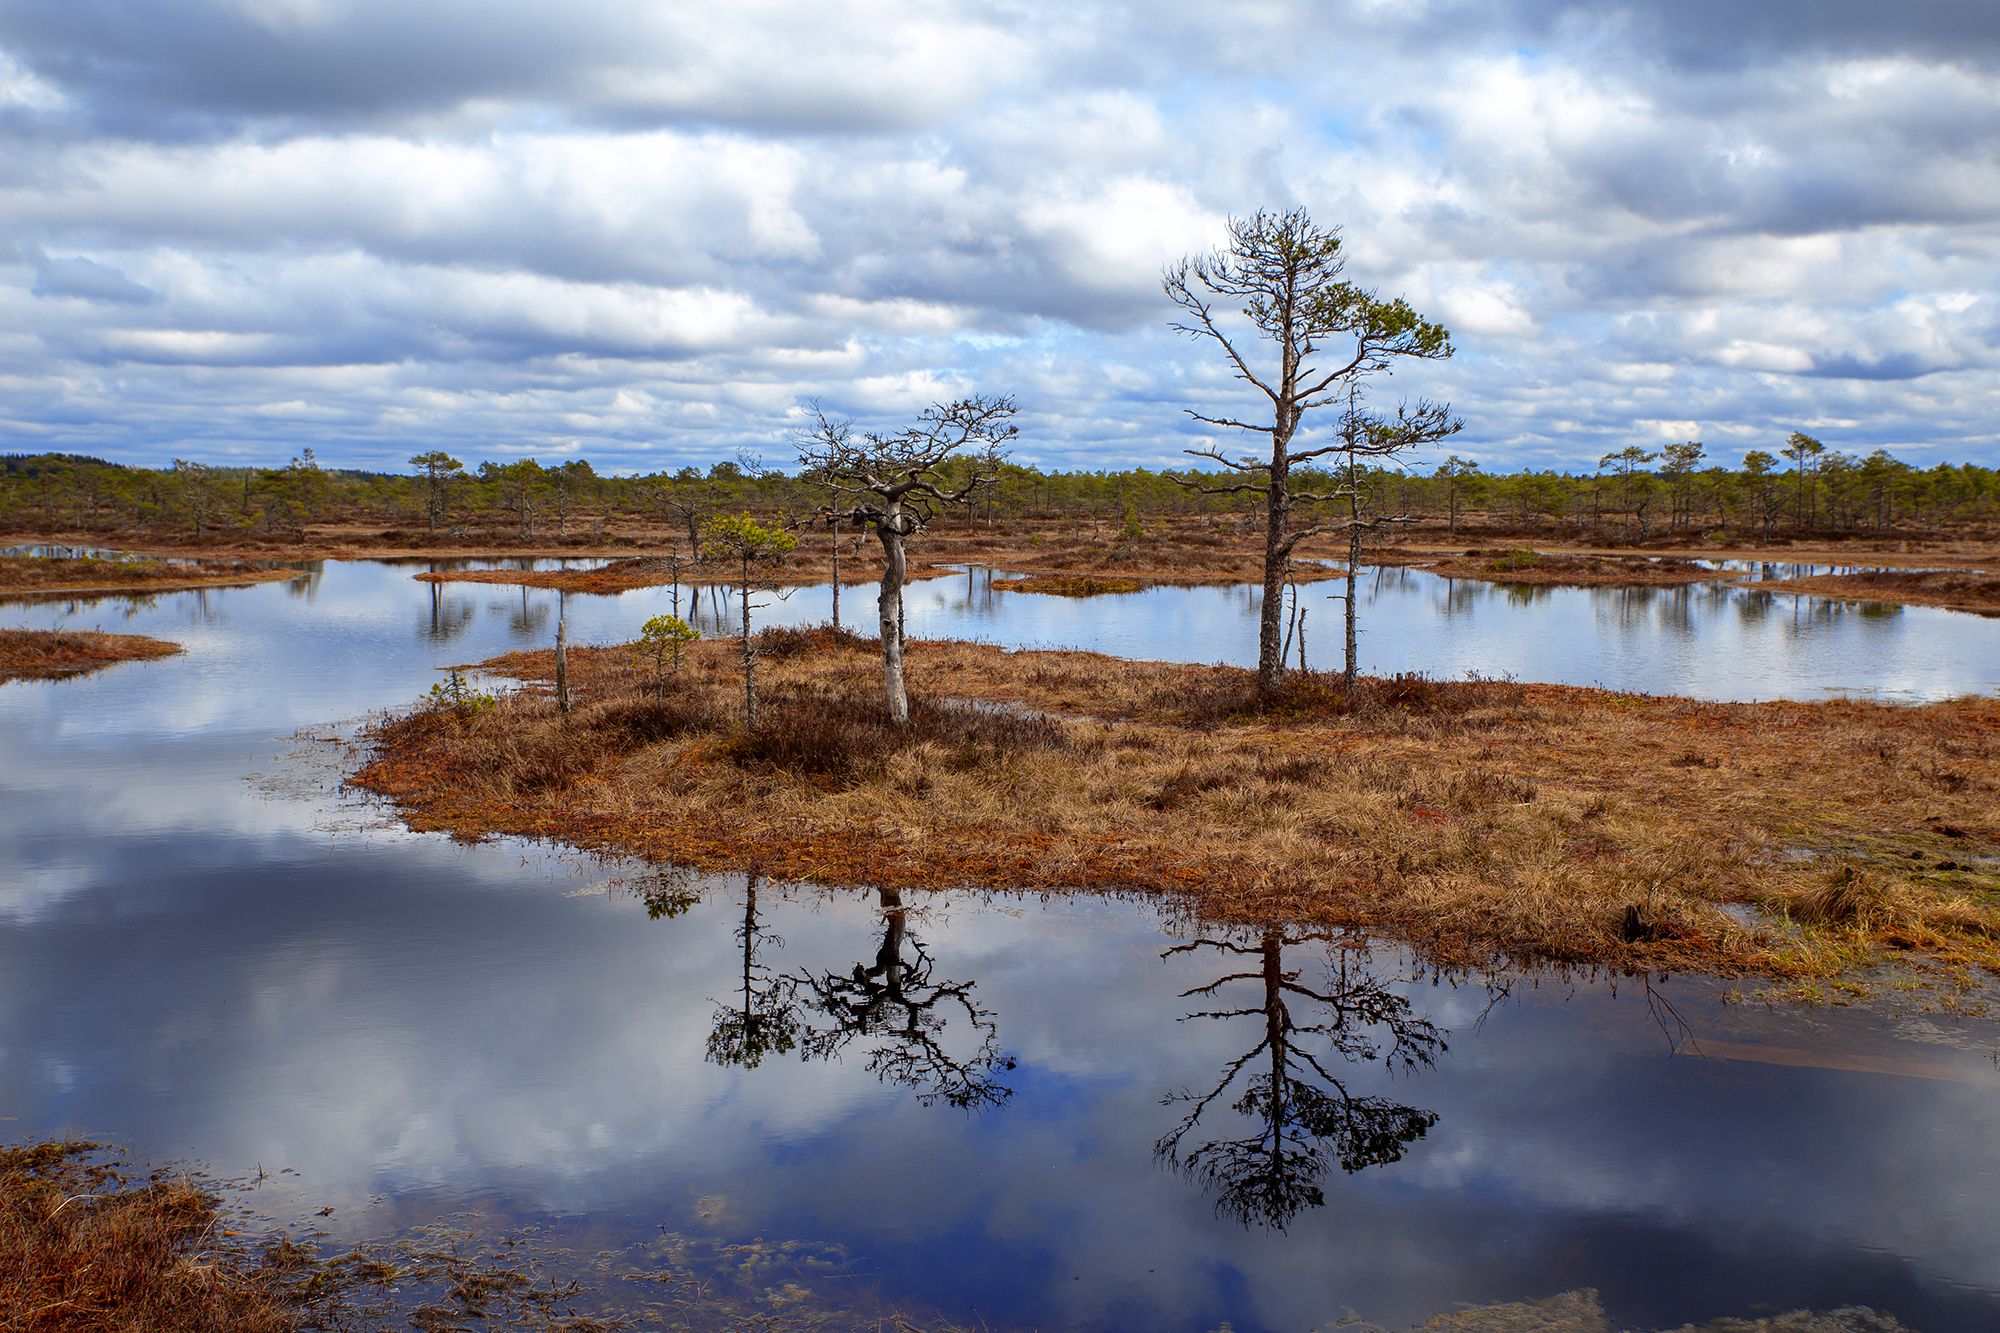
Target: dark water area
pixel 1055 1113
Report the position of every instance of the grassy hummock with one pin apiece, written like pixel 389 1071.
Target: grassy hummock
pixel 1481 821
pixel 40 654
pixel 33 576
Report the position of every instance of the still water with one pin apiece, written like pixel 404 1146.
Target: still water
pixel 1033 1113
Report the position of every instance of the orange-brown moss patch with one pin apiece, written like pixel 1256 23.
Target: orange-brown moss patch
pixel 1479 820
pixel 1954 589
pixel 26 577
pixel 29 654
pixel 1068 585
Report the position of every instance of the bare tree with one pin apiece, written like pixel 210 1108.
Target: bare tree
pixel 690 513
pixel 895 485
pixel 1285 271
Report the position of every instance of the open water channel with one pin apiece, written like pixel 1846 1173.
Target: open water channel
pixel 975 1107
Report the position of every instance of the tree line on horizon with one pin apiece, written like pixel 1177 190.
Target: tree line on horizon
pixel 1635 492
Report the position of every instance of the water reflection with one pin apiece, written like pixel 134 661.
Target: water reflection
pixel 763 1017
pixel 1722 640
pixel 449 615
pixel 191 963
pixel 1298 1117
pixel 901 1012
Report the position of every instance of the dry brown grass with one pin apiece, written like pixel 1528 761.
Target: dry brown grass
pixel 33 576
pixel 1062 558
pixel 85 1247
pixel 1567 569
pixel 1068 585
pixel 89 1245
pixel 1479 820
pixel 1954 589
pixel 30 654
pixel 618 576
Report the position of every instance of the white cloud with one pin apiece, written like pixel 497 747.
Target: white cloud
pixel 626 225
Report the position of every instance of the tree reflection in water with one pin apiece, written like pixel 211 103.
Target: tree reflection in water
pixel 1304 1118
pixel 900 1008
pixel 764 1019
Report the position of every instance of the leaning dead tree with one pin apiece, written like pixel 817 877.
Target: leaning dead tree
pixel 1279 279
pixel 896 484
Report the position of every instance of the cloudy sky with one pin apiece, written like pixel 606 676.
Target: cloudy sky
pixel 644 232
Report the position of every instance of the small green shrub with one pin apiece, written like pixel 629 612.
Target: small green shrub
pixel 664 636
pixel 460 698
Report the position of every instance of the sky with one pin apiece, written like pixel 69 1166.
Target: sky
pixel 649 234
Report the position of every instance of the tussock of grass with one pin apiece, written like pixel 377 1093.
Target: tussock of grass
pixel 27 654
pixel 1480 820
pixel 815 731
pixel 1869 904
pixel 85 1246
pixel 782 641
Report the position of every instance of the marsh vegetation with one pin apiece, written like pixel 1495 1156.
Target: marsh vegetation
pixel 43 654
pixel 1482 820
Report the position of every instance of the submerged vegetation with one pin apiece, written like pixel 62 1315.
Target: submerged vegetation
pixel 31 654
pixel 91 1244
pixel 1481 821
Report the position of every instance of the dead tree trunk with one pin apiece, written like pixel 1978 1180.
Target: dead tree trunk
pixel 562 655
pixel 889 607
pixel 1347 670
pixel 749 657
pixel 834 526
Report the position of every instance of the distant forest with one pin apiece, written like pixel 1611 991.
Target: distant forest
pixel 1636 494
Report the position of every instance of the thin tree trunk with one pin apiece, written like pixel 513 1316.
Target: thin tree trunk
pixel 749 657
pixel 1270 620
pixel 1348 668
pixel 562 655
pixel 889 608
pixel 836 574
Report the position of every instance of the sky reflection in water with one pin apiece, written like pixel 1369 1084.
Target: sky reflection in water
pixel 1055 1113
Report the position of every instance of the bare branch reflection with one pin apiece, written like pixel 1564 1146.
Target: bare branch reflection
pixel 1303 1119
pixel 904 1013
pixel 764 1018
